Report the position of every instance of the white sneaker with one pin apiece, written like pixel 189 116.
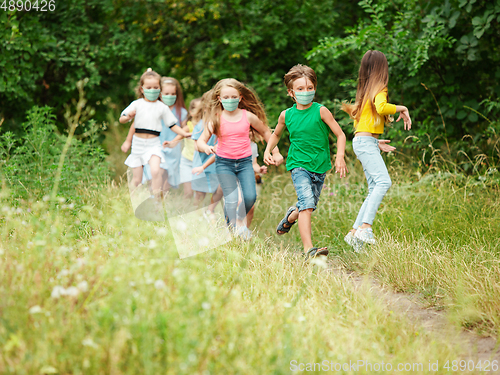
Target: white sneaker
pixel 365 235
pixel 355 243
pixel 244 233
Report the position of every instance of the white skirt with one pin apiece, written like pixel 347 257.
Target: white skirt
pixel 186 170
pixel 142 150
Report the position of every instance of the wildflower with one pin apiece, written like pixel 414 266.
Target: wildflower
pixel 90 343
pixel 83 286
pixel 287 305
pixel 57 292
pixel 205 306
pixel 72 291
pixel 35 309
pixel 160 284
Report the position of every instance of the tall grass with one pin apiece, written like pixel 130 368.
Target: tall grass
pixel 438 235
pixel 95 291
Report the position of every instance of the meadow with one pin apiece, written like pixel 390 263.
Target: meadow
pixel 86 288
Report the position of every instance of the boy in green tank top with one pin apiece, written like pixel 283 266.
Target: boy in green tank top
pixel 308 158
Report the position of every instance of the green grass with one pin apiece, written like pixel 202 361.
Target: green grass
pixel 134 307
pixel 438 236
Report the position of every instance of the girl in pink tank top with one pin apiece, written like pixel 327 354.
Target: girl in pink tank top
pixel 233 111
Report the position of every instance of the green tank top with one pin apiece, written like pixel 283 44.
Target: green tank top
pixel 309 147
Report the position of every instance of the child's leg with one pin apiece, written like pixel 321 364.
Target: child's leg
pixel 227 178
pixel 188 191
pixel 246 176
pixel 136 176
pixel 308 187
pixel 216 198
pixel 154 165
pixel 198 198
pixel 165 185
pixel 377 177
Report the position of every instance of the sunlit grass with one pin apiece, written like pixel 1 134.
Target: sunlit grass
pixel 92 290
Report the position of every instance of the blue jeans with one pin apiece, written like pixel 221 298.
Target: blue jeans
pixel 368 153
pixel 229 171
pixel 308 187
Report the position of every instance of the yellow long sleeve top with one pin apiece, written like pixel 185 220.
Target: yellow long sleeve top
pixel 374 122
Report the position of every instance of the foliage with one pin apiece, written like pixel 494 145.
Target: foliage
pixel 443 61
pixel 29 164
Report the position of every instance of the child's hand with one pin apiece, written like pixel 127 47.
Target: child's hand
pixel 197 170
pixel 125 146
pixel 209 150
pixel 278 158
pixel 170 144
pixel 268 159
pixel 383 145
pixel 131 115
pixel 188 135
pixel 263 169
pixel 340 166
pixel 405 115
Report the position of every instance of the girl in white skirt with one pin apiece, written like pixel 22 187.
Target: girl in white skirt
pixel 149 112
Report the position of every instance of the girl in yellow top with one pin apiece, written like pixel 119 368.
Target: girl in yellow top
pixel 370 112
pixel 186 163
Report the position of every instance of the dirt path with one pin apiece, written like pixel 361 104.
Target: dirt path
pixel 474 346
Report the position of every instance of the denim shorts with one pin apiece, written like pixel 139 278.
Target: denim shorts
pixel 308 187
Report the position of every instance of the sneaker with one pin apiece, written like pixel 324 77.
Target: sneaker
pixel 355 243
pixel 365 235
pixel 244 233
pixel 210 216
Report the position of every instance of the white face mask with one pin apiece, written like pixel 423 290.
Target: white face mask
pixel 304 97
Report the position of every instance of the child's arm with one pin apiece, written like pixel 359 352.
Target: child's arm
pixel 128 141
pixel 384 108
pixel 205 165
pixel 264 131
pixel 257 168
pixel 177 129
pixel 201 143
pixel 273 140
pixel 328 119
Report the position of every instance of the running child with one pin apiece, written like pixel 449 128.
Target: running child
pixel 370 112
pixel 205 178
pixel 232 111
pixel 309 124
pixel 186 164
pixel 149 113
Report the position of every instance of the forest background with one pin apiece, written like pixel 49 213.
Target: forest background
pixel 443 57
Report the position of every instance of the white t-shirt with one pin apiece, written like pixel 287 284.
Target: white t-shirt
pixel 148 115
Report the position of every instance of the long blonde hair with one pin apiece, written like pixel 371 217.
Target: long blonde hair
pixel 373 77
pixel 249 101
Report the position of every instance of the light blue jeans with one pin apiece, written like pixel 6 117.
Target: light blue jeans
pixel 368 153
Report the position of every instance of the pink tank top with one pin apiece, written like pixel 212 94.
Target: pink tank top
pixel 234 141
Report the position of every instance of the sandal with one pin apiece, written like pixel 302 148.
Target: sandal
pixel 313 252
pixel 281 226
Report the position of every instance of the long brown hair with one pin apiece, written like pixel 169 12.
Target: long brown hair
pixel 249 101
pixel 179 101
pixel 373 77
pixel 149 73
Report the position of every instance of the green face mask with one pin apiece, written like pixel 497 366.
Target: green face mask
pixel 151 94
pixel 304 97
pixel 230 104
pixel 169 99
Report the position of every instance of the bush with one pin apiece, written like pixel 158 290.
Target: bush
pixel 28 165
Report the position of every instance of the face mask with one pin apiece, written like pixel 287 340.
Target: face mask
pixel 230 104
pixel 169 99
pixel 151 94
pixel 304 97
